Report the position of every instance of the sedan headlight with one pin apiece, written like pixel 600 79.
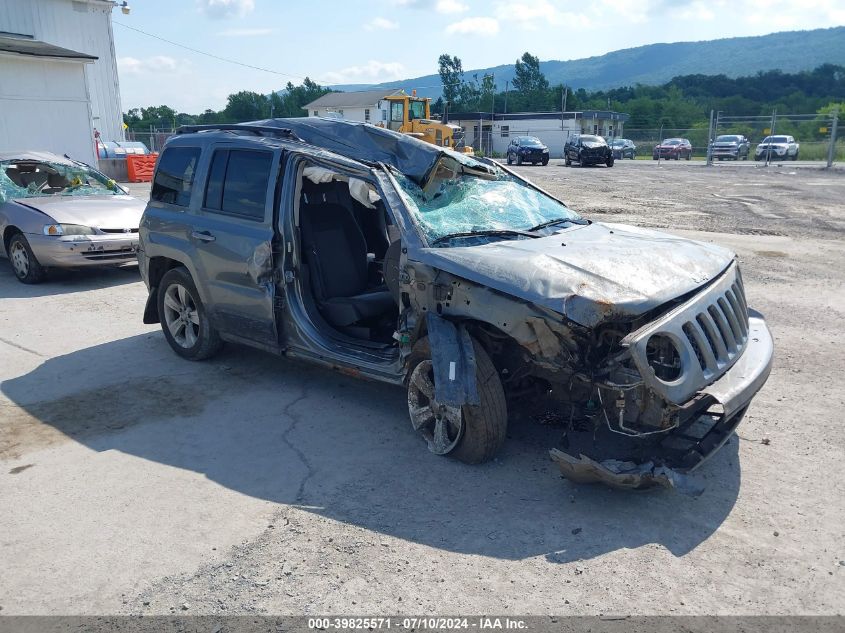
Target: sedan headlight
pixel 67 229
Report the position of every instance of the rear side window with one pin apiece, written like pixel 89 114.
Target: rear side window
pixel 237 182
pixel 174 175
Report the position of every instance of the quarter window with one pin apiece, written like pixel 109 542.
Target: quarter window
pixel 237 183
pixel 175 175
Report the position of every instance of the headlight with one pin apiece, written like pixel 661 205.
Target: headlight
pixel 67 229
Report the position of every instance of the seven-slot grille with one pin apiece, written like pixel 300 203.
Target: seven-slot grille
pixel 718 332
pixel 709 332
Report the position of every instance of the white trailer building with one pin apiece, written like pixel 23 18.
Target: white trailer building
pixel 58 76
pixel 552 128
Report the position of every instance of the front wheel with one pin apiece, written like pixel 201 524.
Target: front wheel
pixel 24 263
pixel 545 160
pixel 183 317
pixel 795 156
pixel 609 162
pixel 518 159
pixel 510 160
pixel 689 155
pixel 470 433
pixel 567 161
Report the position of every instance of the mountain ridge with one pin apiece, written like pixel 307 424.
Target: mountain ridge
pixel 654 64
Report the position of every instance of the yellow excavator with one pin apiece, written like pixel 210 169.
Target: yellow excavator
pixel 410 114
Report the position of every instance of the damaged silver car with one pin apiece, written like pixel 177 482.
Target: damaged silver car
pixel 382 256
pixel 56 212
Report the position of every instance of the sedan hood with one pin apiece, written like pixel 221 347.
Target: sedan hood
pixel 101 212
pixel 594 145
pixel 590 274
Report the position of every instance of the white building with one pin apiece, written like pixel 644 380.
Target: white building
pixel 58 76
pixel 365 105
pixel 552 128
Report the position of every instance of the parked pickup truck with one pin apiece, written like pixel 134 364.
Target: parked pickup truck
pixel 371 252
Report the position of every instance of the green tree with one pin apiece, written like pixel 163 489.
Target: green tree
pixel 246 106
pixel 451 72
pixel 527 75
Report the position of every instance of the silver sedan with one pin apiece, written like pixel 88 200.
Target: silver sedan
pixel 57 212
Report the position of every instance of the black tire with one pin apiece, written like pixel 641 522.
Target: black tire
pixel 484 425
pixel 207 341
pixel 25 264
pixel 545 161
pixel 567 161
pixel 510 160
pixel 795 156
pixel 689 156
pixel 518 159
pixel 609 162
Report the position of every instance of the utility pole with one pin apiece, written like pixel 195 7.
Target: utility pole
pixel 771 133
pixel 658 142
pixel 492 112
pixel 506 96
pixel 831 151
pixel 710 142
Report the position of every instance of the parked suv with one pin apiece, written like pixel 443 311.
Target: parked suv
pixel 374 253
pixel 732 146
pixel 676 148
pixel 587 149
pixel 777 148
pixel 623 148
pixel 527 149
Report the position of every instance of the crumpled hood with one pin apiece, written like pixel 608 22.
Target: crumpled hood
pixel 604 271
pixel 101 212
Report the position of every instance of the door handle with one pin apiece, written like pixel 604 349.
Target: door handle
pixel 203 236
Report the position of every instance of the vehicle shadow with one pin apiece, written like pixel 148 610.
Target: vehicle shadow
pixel 63 281
pixel 342 448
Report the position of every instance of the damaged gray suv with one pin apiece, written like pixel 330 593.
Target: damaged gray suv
pixel 379 255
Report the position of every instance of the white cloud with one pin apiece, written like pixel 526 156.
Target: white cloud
pixel 159 64
pixel 257 32
pixel 448 7
pixel 539 13
pixel 371 72
pixel 222 9
pixel 474 26
pixel 381 24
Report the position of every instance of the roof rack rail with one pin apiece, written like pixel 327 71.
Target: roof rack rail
pixel 258 130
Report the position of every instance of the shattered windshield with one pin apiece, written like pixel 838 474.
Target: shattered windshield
pixel 465 205
pixel 35 179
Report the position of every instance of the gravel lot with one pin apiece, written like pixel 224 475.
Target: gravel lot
pixel 132 481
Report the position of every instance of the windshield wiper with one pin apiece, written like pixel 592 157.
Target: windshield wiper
pixel 489 232
pixel 543 225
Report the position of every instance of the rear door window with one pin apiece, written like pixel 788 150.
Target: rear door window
pixel 238 182
pixel 175 175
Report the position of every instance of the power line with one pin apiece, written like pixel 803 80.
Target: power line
pixel 245 65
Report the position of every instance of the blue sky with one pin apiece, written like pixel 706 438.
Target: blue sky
pixel 335 41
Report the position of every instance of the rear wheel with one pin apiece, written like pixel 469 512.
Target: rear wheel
pixel 183 317
pixel 518 159
pixel 24 263
pixel 469 433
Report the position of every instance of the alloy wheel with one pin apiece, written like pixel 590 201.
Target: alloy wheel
pixel 181 315
pixel 441 426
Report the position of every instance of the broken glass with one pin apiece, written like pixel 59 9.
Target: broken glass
pixel 37 179
pixel 469 204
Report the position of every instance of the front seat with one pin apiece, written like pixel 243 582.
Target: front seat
pixel 336 254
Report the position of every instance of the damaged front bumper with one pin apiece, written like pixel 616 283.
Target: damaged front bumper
pixel 722 406
pixel 74 251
